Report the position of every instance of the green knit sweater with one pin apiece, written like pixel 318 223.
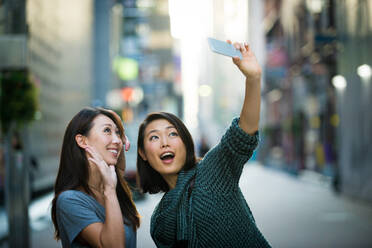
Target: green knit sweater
pixel 216 213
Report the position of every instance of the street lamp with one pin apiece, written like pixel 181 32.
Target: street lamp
pixel 364 71
pixel 339 82
pixel 205 90
pixel 315 6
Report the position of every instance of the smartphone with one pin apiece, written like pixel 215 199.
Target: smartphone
pixel 224 48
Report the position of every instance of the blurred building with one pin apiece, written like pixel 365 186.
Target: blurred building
pixel 299 131
pixel 146 43
pixel 70 47
pixel 212 87
pixel 354 61
pixel 310 118
pixel 60 60
pixel 143 77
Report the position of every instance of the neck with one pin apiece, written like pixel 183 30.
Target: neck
pixel 171 180
pixel 95 183
pixel 97 188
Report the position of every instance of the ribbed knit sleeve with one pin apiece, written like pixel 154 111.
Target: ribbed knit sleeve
pixel 239 142
pixel 214 212
pixel 221 168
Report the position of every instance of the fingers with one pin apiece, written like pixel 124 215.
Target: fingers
pixel 236 60
pixel 112 168
pixel 107 172
pixel 246 46
pixel 242 47
pixel 92 153
pixel 126 143
pixel 96 158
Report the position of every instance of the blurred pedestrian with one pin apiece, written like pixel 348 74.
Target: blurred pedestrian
pixel 203 205
pixel 33 170
pixel 93 205
pixel 17 144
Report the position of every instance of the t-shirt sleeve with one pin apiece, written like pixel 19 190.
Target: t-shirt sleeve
pixel 224 163
pixel 74 214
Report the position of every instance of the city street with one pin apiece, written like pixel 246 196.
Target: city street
pixel 291 212
pixel 303 80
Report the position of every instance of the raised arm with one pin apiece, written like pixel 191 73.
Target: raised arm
pixel 110 233
pixel 222 167
pixel 248 65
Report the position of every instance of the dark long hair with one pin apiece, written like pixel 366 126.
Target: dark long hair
pixel 148 179
pixel 73 172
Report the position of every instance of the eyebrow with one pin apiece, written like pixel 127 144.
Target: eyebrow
pixel 109 124
pixel 156 130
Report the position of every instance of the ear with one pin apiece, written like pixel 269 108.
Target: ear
pixel 81 141
pixel 142 154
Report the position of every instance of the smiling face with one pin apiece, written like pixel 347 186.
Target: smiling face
pixel 104 136
pixel 163 148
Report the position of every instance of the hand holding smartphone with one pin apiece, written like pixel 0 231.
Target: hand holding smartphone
pixel 224 48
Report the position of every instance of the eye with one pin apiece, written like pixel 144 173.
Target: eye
pixel 117 132
pixel 153 137
pixel 173 134
pixel 107 130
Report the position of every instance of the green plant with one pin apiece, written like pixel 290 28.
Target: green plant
pixel 18 98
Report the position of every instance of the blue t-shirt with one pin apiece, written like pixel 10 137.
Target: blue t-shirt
pixel 75 211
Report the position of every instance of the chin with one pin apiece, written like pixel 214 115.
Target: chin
pixel 114 162
pixel 111 161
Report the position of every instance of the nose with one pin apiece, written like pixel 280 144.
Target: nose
pixel 164 142
pixel 116 139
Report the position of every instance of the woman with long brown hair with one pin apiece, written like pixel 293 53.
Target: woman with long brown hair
pixel 93 205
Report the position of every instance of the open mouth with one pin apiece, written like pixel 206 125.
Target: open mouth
pixel 167 156
pixel 114 151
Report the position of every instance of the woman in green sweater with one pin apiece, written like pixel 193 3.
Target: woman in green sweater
pixel 203 205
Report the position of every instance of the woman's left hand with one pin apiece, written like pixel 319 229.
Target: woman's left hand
pixel 248 65
pixel 107 172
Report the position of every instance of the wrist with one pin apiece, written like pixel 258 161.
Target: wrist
pixel 109 193
pixel 253 79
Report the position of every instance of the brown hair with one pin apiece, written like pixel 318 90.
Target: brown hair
pixel 73 170
pixel 148 179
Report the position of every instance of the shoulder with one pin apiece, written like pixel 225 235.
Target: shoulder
pixel 72 195
pixel 75 211
pixel 73 205
pixel 69 198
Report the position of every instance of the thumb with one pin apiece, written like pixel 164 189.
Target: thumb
pixel 112 168
pixel 236 60
pixel 127 143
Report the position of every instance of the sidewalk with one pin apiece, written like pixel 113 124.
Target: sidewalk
pixel 290 211
pixel 304 211
pixel 41 227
